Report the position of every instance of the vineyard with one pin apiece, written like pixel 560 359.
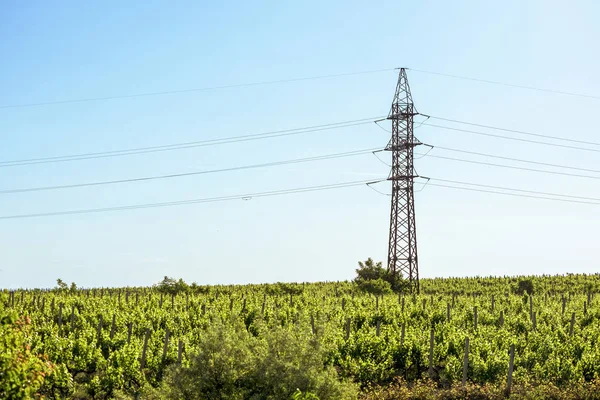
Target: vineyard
pixel 303 341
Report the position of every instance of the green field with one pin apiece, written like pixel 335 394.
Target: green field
pixel 304 341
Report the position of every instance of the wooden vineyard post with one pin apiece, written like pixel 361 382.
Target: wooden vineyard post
pixel 347 328
pixel 424 304
pixel 230 305
pixel 572 324
pixel 511 364
pixel 137 296
pixel 465 363
pixel 112 327
pixel 501 319
pixel 402 304
pixel 161 300
pixel 72 317
pixel 60 306
pixel 343 304
pixel 530 307
pixel 564 303
pixel 584 308
pixel 119 299
pixel 431 354
pixel 99 332
pixel 533 320
pixel 402 334
pixel 453 297
pixel 179 351
pixel 203 309
pixel 378 329
pixel 493 303
pixel 589 297
pixel 377 303
pixel 129 328
pixel 244 305
pixel 475 317
pixel 292 300
pixel 166 345
pixel 146 337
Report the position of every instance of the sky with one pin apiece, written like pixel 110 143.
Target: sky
pixel 51 52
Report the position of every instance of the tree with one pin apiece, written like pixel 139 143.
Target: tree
pixel 524 286
pixel 375 279
pixel 171 286
pixel 62 285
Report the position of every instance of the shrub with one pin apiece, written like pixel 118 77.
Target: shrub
pixel 22 372
pixel 278 364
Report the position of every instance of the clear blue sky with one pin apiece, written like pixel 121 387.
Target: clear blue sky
pixel 75 49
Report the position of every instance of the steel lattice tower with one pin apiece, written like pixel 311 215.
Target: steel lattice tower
pixel 402 253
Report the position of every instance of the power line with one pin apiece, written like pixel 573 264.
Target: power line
pixel 513 167
pixel 493 82
pixel 513 159
pixel 207 88
pixel 514 194
pixel 300 190
pixel 187 145
pixel 169 176
pixel 513 130
pixel 512 138
pixel 192 201
pixel 517 190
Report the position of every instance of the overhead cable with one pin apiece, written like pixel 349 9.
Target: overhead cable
pixel 202 89
pixel 494 82
pixel 247 196
pixel 212 171
pixel 187 145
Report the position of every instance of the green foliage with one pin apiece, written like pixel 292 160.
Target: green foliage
pixel 257 341
pixel 283 288
pixel 278 364
pixel 22 372
pixel 525 286
pixel 171 286
pixel 60 284
pixel 372 278
pixel 377 287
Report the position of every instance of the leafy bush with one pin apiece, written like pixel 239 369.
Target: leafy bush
pixel 373 278
pixel 279 364
pixel 171 286
pixel 22 373
pixel 524 286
